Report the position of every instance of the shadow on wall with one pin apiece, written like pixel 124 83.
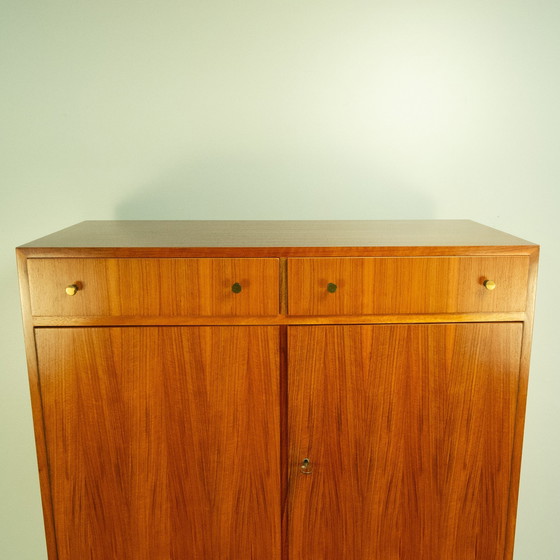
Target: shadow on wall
pixel 274 190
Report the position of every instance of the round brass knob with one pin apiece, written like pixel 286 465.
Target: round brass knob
pixel 331 288
pixel 236 288
pixel 489 284
pixel 72 289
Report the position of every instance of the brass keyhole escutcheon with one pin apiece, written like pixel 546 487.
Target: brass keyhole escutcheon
pixel 306 467
pixel 236 288
pixel 331 288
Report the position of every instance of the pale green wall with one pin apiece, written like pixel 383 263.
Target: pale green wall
pixel 271 110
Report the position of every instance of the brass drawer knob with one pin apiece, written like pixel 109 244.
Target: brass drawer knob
pixel 489 284
pixel 236 288
pixel 331 288
pixel 72 289
pixel 306 466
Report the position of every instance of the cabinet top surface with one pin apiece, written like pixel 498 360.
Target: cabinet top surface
pixel 212 235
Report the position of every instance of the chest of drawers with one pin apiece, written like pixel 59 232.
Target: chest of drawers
pixel 303 390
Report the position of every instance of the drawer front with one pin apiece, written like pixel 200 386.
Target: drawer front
pixel 373 286
pixel 154 287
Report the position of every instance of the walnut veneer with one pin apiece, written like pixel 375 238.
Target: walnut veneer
pixel 280 390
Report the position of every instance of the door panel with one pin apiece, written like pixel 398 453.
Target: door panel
pixel 409 431
pixel 163 443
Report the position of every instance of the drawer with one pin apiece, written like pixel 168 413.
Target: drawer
pixel 372 285
pixel 152 287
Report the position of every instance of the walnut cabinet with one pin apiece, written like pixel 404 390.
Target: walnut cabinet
pixel 282 390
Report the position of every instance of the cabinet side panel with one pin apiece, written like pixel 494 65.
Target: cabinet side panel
pixel 522 403
pixel 163 442
pixel 409 430
pixel 35 393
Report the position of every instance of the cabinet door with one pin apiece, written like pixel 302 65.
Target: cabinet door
pixel 409 432
pixel 162 443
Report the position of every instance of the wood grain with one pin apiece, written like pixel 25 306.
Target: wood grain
pixel 369 286
pixel 410 432
pixel 163 443
pixel 154 287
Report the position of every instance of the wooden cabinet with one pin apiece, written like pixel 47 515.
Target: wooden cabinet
pixel 279 390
